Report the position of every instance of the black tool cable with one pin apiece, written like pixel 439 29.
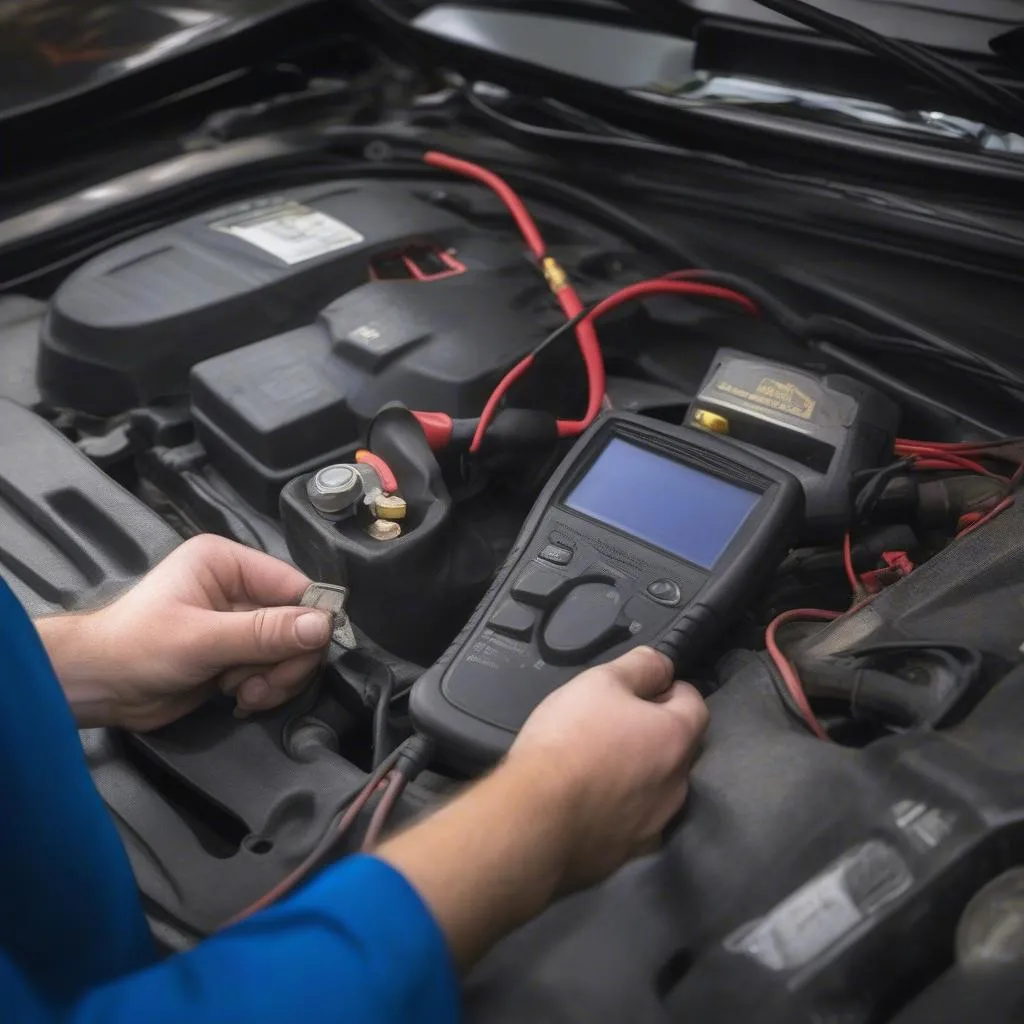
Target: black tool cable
pixel 333 836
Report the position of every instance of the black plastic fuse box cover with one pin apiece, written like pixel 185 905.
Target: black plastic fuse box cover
pixel 126 327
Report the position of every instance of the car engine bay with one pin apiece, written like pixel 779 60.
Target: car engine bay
pixel 375 374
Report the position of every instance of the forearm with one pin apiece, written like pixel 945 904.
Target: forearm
pixel 81 661
pixel 491 859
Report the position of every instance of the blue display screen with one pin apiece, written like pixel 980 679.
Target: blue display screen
pixel 670 505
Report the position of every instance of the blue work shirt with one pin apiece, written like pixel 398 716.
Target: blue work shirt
pixel 355 946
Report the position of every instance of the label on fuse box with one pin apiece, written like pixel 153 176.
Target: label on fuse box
pixel 291 231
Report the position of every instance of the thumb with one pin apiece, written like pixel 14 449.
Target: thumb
pixel 643 671
pixel 264 636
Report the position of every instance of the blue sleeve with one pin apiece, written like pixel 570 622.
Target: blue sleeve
pixel 356 946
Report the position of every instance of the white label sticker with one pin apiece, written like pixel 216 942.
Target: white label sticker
pixel 291 232
pixel 827 908
pixel 810 921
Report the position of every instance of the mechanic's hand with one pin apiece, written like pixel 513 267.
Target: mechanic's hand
pixel 620 739
pixel 213 614
pixel 595 775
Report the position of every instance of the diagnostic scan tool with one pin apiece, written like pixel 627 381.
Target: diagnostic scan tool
pixel 647 533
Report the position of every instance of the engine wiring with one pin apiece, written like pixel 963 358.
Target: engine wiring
pixel 560 285
pixel 788 671
pixel 666 285
pixel 579 318
pixel 815 331
pixel 913 456
pixel 959 82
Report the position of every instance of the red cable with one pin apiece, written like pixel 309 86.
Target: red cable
pixel 952 463
pixel 569 300
pixel 940 456
pixel 667 286
pixel 851 573
pixel 396 785
pixel 785 666
pixel 961 446
pixel 642 289
pixel 986 518
pixel 501 188
pixel 491 406
pixel 593 360
pixel 586 336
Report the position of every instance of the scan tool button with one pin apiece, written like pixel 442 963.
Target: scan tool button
pixel 557 554
pixel 539 587
pixel 665 592
pixel 586 622
pixel 513 619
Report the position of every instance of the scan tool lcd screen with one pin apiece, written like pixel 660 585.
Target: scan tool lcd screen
pixel 665 503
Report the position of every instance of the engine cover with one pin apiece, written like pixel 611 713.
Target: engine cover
pixel 286 405
pixel 127 326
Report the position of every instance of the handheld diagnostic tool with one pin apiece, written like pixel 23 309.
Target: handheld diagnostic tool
pixel 647 533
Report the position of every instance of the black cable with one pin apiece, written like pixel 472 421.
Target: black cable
pixel 413 757
pixel 853 336
pixel 333 835
pixel 773 308
pixel 873 311
pixel 1003 108
pixel 550 141
pixel 812 328
pixel 869 493
pixel 903 392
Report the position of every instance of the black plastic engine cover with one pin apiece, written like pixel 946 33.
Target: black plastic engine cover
pixel 126 327
pixel 289 404
pixel 805 883
pixel 70 537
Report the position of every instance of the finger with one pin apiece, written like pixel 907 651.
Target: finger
pixel 266 580
pixel 246 575
pixel 689 709
pixel 643 671
pixel 276 686
pixel 230 679
pixel 265 636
